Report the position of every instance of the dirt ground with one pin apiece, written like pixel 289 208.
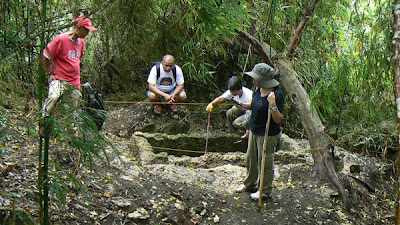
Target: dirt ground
pixel 179 191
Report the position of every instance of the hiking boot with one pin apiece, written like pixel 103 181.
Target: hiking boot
pixel 157 109
pixel 244 188
pixel 173 107
pixel 255 196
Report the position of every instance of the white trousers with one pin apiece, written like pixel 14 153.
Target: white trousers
pixel 58 88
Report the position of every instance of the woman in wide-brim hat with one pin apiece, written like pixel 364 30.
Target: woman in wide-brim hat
pixel 267 95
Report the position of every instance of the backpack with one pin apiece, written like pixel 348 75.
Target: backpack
pixel 94 104
pixel 158 68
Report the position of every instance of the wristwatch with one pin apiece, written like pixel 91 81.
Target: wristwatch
pixel 274 109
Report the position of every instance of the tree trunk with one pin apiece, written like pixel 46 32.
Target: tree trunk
pixel 396 89
pixel 320 142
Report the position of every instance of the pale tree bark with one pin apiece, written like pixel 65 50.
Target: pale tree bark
pixel 320 142
pixel 396 89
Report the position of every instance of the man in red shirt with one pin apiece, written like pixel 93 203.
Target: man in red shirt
pixel 62 59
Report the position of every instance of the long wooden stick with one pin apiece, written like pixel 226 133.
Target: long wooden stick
pixel 208 126
pixel 263 160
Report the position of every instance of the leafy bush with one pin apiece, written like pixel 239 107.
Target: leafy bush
pixel 377 140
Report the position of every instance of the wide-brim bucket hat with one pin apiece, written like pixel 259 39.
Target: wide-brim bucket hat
pixel 264 75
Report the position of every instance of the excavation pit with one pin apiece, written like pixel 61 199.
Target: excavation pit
pixel 194 144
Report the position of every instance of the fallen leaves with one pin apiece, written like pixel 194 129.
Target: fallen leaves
pixel 139 213
pixel 121 202
pixel 9 167
pixel 216 219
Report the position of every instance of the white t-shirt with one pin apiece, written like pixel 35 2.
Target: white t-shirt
pixel 166 82
pixel 246 96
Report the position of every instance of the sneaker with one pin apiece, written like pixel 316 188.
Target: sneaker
pixel 157 109
pixel 244 188
pixel 255 196
pixel 173 107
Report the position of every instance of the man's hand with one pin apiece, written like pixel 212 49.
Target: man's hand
pixel 51 78
pixel 169 98
pixel 239 106
pixel 209 107
pixel 271 99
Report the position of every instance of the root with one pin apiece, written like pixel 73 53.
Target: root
pixel 333 177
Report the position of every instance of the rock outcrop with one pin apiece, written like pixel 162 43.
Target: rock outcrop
pixel 141 117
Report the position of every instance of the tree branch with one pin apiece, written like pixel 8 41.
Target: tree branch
pixel 257 45
pixel 299 30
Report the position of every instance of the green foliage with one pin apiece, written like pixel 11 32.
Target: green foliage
pixel 61 183
pixel 208 25
pixel 276 20
pixel 356 73
pixel 343 59
pixel 372 140
pixel 76 129
pixel 193 31
pixel 17 25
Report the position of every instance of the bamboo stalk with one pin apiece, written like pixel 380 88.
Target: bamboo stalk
pixel 43 216
pixel 46 178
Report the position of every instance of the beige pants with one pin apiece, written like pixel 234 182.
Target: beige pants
pixel 254 158
pixel 58 88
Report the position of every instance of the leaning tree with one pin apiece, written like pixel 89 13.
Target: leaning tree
pixel 320 142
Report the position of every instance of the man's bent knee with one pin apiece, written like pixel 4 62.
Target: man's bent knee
pixel 182 97
pixel 154 98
